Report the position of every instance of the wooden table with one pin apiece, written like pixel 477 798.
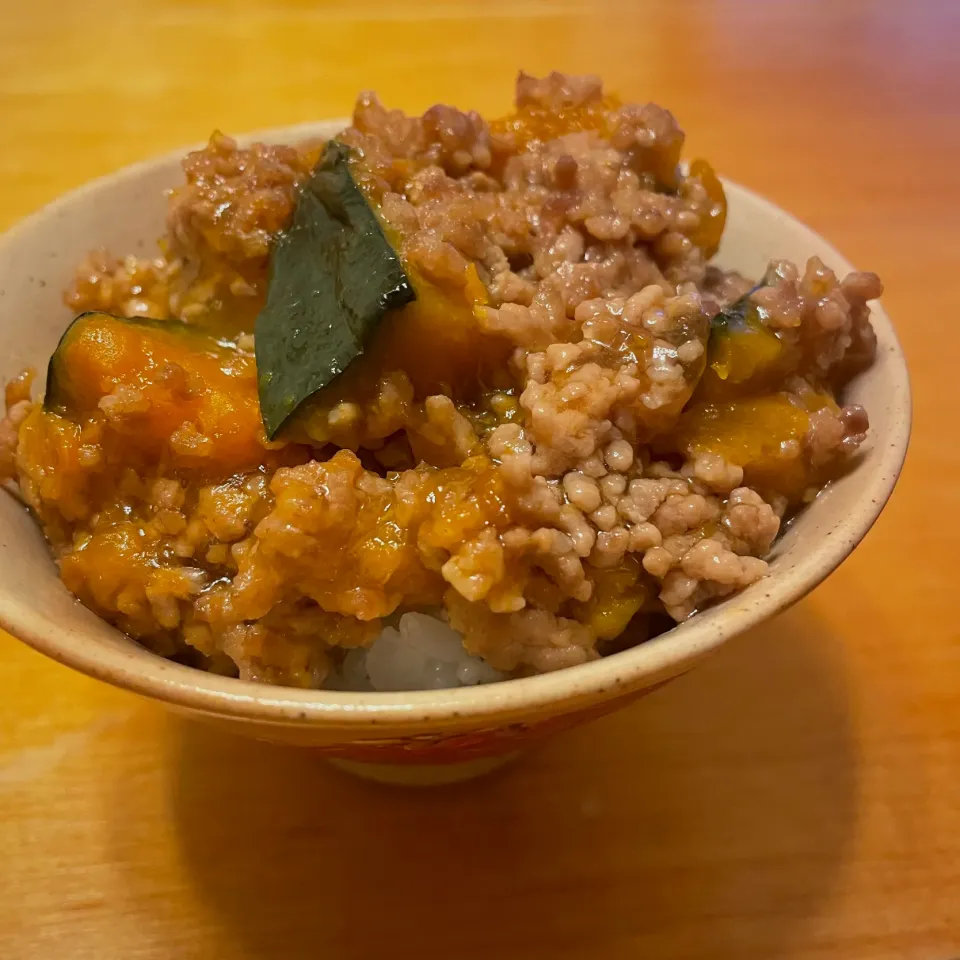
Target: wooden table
pixel 797 797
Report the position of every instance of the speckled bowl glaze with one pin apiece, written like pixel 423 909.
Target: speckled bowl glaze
pixel 431 736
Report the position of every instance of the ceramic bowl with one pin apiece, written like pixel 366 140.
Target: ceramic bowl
pixel 435 735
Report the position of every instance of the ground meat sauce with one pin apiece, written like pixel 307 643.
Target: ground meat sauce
pixel 553 442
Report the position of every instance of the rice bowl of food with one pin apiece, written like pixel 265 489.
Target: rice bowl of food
pixel 421 435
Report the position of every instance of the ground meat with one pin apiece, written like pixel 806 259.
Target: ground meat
pixel 835 436
pixel 750 522
pixel 534 638
pixel 9 434
pixel 725 287
pixel 827 319
pixel 132 286
pixel 707 571
pixel 541 444
pixel 234 200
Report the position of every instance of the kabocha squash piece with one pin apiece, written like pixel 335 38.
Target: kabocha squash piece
pixel 437 339
pixel 710 229
pixel 173 392
pixel 433 345
pixel 763 435
pixel 353 331
pixel 333 277
pixel 744 356
pixel 618 595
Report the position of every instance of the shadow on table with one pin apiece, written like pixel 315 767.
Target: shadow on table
pixel 709 820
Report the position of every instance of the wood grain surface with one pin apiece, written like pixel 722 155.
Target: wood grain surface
pixel 796 797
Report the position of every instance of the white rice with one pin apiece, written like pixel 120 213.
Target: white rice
pixel 420 653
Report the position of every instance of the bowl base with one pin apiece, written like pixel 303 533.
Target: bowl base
pixel 423 775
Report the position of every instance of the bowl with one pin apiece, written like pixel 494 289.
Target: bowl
pixel 428 736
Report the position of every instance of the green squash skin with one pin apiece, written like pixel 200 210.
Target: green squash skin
pixel 333 277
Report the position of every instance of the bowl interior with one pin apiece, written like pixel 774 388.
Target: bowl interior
pixel 124 213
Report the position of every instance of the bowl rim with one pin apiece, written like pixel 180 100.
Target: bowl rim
pixel 139 670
